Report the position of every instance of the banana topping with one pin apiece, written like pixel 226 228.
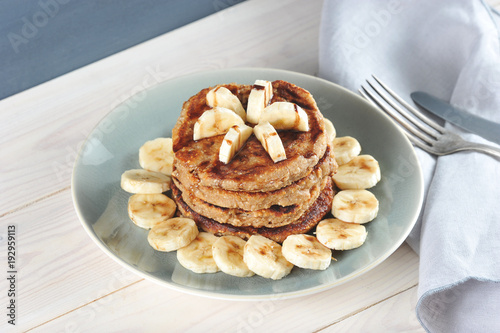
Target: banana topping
pixel 285 116
pixel 270 140
pixel 215 121
pixel 259 97
pixel 234 139
pixel 223 97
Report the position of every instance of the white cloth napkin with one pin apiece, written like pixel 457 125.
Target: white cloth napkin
pixel 450 48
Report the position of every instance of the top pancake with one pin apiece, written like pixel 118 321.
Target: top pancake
pixel 251 169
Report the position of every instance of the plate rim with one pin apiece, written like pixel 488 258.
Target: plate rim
pixel 271 296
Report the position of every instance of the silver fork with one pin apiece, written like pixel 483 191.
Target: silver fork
pixel 422 131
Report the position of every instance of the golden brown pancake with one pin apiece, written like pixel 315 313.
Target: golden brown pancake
pixel 305 223
pixel 295 194
pixel 251 169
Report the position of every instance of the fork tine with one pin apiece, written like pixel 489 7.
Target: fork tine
pixel 417 113
pixel 410 130
pixel 419 144
pixel 404 113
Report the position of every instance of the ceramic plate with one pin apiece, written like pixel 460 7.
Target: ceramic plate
pixel 113 147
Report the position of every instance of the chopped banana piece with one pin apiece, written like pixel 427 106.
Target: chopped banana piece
pixel 214 122
pixel 339 235
pixel 357 206
pixel 330 131
pixel 286 116
pixel 345 149
pixel 145 182
pixel 228 255
pixel 223 97
pixel 172 234
pixel 157 155
pixel 270 140
pixel 233 141
pixel 259 97
pixel 147 210
pixel 263 256
pixel 197 256
pixel 305 251
pixel 360 173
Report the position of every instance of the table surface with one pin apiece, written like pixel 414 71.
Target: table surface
pixel 64 282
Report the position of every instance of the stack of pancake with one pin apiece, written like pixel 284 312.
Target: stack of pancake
pixel 252 194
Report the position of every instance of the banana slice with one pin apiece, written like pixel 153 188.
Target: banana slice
pixel 339 235
pixel 263 256
pixel 223 97
pixel 360 173
pixel 233 141
pixel 286 116
pixel 157 155
pixel 197 256
pixel 305 251
pixel 330 130
pixel 147 210
pixel 345 148
pixel 270 140
pixel 143 181
pixel 214 122
pixel 357 206
pixel 228 255
pixel 172 234
pixel 258 99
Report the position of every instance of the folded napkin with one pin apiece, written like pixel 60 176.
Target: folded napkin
pixel 449 48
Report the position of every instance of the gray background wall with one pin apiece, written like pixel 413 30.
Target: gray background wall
pixel 43 39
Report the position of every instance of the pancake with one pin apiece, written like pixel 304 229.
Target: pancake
pixel 311 217
pixel 251 169
pixel 294 194
pixel 272 217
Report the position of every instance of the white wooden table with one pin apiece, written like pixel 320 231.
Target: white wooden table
pixel 65 283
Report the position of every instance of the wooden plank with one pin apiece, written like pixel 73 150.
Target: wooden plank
pixel 162 309
pixel 59 267
pixel 44 127
pixel 396 314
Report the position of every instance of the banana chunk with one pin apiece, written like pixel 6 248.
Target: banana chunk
pixel 305 251
pixel 286 116
pixel 233 141
pixel 263 256
pixel 339 235
pixel 228 255
pixel 157 155
pixel 330 130
pixel 172 234
pixel 214 122
pixel 357 206
pixel 360 173
pixel 259 97
pixel 223 97
pixel 270 140
pixel 345 148
pixel 145 182
pixel 147 210
pixel 197 256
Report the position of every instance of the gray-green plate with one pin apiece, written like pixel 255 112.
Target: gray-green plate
pixel 113 147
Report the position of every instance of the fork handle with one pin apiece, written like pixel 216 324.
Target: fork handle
pixel 483 148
